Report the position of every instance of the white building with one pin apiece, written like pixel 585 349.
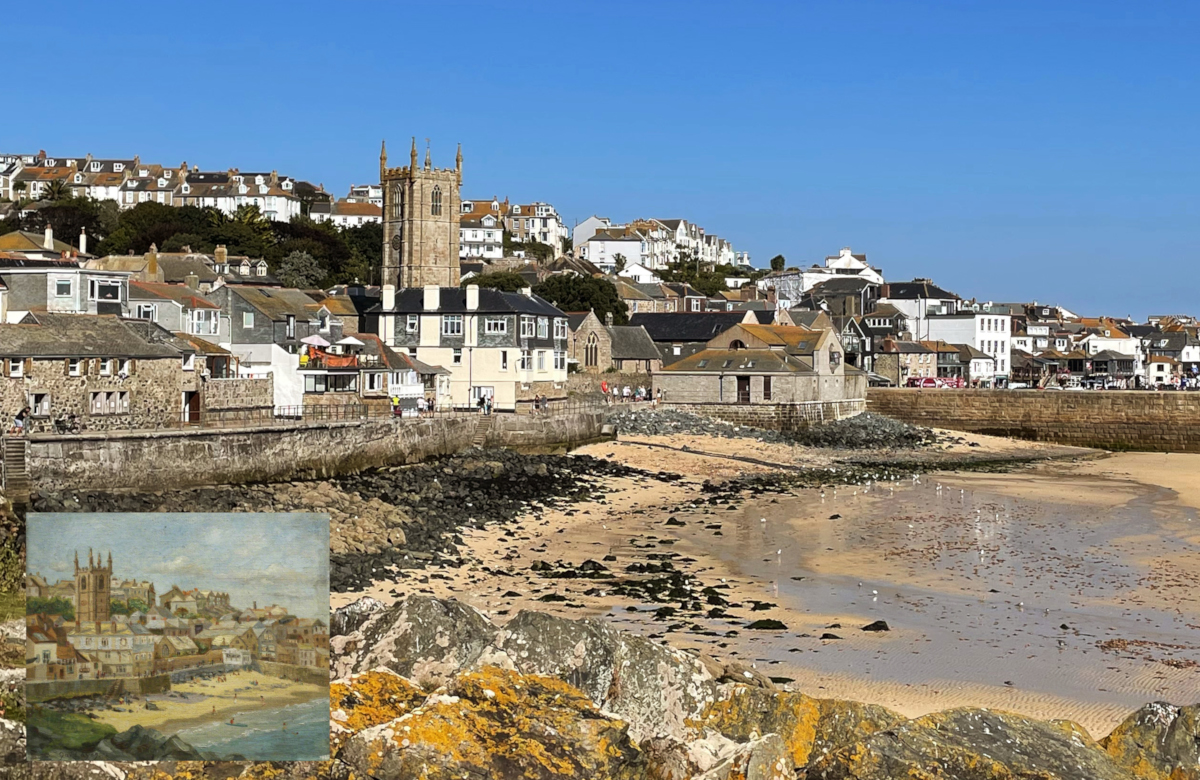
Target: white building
pixel 639 273
pixel 987 332
pixel 536 221
pixel 274 195
pixel 366 193
pixel 742 259
pixel 588 228
pixel 480 231
pixel 607 248
pixel 346 214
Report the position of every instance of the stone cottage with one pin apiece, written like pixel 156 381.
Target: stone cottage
pixel 597 346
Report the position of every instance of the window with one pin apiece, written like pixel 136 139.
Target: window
pixel 262 270
pixel 247 319
pixel 541 360
pixel 204 322
pixel 124 367
pixel 375 381
pixel 410 326
pixel 412 352
pixel 456 359
pixel 591 351
pixel 560 328
pixel 147 311
pixel 107 365
pixel 503 360
pixel 527 326
pixel 110 402
pixel 104 290
pixel 75 367
pixel 452 325
pixel 695 305
pixel 323 323
pixel 495 325
pixel 543 326
pixel 290 327
pixel 39 404
pixel 16 368
pixel 526 361
pixel 189 362
pixel 62 288
pixel 435 202
pixel 560 361
pixel 766 388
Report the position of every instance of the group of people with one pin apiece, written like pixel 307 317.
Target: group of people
pixel 617 394
pixel 484 404
pixel 541 404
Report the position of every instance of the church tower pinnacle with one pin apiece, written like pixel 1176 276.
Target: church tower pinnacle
pixel 458 164
pixel 382 158
pixel 413 156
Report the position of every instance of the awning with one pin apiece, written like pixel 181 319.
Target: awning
pixel 350 341
pixel 315 341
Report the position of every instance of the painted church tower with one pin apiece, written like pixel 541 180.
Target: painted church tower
pixel 93 590
pixel 420 222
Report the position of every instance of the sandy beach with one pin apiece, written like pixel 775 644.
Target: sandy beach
pixel 209 700
pixel 1061 590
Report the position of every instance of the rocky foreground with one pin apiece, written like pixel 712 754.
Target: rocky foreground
pixel 431 689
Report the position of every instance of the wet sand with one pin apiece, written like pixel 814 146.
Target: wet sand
pixel 174 715
pixel 976 574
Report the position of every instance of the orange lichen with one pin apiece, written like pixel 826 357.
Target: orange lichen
pixel 370 699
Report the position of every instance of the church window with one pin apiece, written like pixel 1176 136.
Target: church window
pixel 82 582
pixel 591 353
pixel 435 202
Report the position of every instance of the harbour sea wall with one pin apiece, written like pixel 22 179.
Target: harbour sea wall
pixel 159 460
pixel 1110 419
pixel 302 674
pixel 44 690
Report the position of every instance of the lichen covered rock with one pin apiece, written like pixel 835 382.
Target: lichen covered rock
pixel 970 744
pixel 369 699
pixel 808 727
pixel 653 687
pixel 1158 742
pixel 501 724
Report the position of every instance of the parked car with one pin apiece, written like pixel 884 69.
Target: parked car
pixel 921 381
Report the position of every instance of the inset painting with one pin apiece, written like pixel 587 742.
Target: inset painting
pixel 177 637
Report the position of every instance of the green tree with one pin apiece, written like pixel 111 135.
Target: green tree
pixel 137 605
pixel 50 606
pixel 366 253
pixel 118 607
pixel 582 293
pixel 55 190
pixel 505 281
pixel 300 269
pixel 70 215
pixel 778 263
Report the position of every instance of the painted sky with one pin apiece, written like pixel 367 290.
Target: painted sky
pixel 1010 150
pixel 269 558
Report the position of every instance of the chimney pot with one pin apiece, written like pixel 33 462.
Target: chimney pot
pixel 527 292
pixel 608 318
pixel 48 243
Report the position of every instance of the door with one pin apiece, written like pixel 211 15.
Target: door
pixel 743 389
pixel 191 406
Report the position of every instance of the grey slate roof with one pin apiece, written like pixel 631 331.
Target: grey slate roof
pixel 632 342
pixel 453 300
pixel 88 335
pixel 670 326
pixel 918 289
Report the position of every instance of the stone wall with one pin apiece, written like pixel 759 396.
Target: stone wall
pixel 154 460
pixel 776 417
pixel 1137 420
pixel 71 689
pixel 153 390
pixel 239 393
pixel 303 674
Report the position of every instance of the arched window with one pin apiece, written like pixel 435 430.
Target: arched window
pixel 435 202
pixel 396 210
pixel 591 353
pixel 737 344
pixel 82 582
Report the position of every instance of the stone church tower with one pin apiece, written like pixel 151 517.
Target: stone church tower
pixel 93 590
pixel 420 222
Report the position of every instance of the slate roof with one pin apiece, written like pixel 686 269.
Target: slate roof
pixel 86 335
pixel 918 289
pixel 686 326
pixel 388 357
pixel 632 342
pixel 968 353
pixel 766 361
pixel 20 260
pixel 175 269
pixel 575 319
pixel 1109 354
pixel 453 300
pixel 277 303
pixel 764 316
pixel 26 241
pixel 792 338
pixel 181 294
pixel 843 286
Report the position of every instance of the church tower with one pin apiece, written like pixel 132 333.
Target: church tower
pixel 93 590
pixel 420 222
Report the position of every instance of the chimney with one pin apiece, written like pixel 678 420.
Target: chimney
pixel 83 241
pixel 192 281
pixel 472 297
pixel 48 243
pixel 221 255
pixel 433 297
pixel 152 263
pixel 527 292
pixel 608 319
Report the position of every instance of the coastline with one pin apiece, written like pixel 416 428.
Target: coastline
pixel 629 523
pixel 175 716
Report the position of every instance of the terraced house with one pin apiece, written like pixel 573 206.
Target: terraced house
pixel 505 346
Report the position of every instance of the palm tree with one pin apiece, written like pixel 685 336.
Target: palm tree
pixel 57 189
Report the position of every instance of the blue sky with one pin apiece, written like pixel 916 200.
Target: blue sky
pixel 269 558
pixel 1011 151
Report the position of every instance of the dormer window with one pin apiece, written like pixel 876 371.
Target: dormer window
pixel 162 182
pixel 118 167
pixel 245 269
pixel 95 166
pixel 243 189
pixel 262 189
pixel 78 177
pixel 258 180
pixel 185 189
pixel 466 206
pixel 287 185
pixel 262 269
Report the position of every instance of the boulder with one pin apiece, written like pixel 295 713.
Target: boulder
pixel 762 758
pixel 971 744
pixel 349 618
pixel 369 699
pixel 138 743
pixel 12 742
pixel 652 687
pixel 1158 742
pixel 808 727
pixel 498 723
pixel 425 639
